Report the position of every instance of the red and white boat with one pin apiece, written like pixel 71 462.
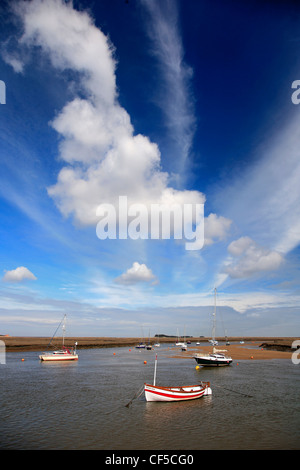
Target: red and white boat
pixel 187 392
pixel 64 354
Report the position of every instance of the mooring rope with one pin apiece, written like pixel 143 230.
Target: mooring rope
pixel 137 395
pixel 234 391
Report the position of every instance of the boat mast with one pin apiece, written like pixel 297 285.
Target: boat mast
pixel 64 330
pixel 154 379
pixel 214 317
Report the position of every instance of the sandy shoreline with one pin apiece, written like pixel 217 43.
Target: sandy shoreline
pixel 249 350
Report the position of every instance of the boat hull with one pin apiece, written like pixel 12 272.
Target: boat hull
pixel 213 360
pixel 191 392
pixel 58 357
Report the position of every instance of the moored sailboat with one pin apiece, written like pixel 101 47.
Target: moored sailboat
pixel 63 354
pixel 182 344
pixel 149 345
pixel 217 358
pixel 141 344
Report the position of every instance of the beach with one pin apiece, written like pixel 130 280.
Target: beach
pixel 253 348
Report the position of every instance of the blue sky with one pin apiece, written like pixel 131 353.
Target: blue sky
pixel 163 102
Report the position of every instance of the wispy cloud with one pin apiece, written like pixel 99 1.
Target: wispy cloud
pixel 175 95
pixel 264 200
pixel 263 203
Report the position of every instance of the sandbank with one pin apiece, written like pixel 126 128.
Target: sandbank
pixel 255 348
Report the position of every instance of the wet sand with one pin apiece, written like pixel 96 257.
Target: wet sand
pixel 31 343
pixel 251 349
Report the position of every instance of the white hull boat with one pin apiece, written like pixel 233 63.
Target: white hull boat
pixel 213 360
pixel 217 358
pixel 189 392
pixel 63 354
pixel 184 393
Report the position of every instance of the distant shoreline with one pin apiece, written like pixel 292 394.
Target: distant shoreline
pixel 31 343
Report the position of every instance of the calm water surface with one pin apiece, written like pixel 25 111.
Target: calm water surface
pixel 81 405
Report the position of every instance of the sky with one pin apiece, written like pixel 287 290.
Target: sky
pixel 186 103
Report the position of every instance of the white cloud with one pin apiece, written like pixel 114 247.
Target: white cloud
pixel 238 247
pixel 136 274
pixel 72 42
pixel 249 258
pixel 14 61
pixel 215 228
pixel 18 275
pixel 104 158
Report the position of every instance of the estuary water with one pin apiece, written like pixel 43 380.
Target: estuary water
pixel 81 405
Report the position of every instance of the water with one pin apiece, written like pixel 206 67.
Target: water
pixel 81 405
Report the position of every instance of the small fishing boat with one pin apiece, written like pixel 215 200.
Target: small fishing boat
pixel 187 392
pixel 190 392
pixel 63 354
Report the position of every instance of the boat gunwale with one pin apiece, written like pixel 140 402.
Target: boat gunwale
pixel 177 389
pixel 212 355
